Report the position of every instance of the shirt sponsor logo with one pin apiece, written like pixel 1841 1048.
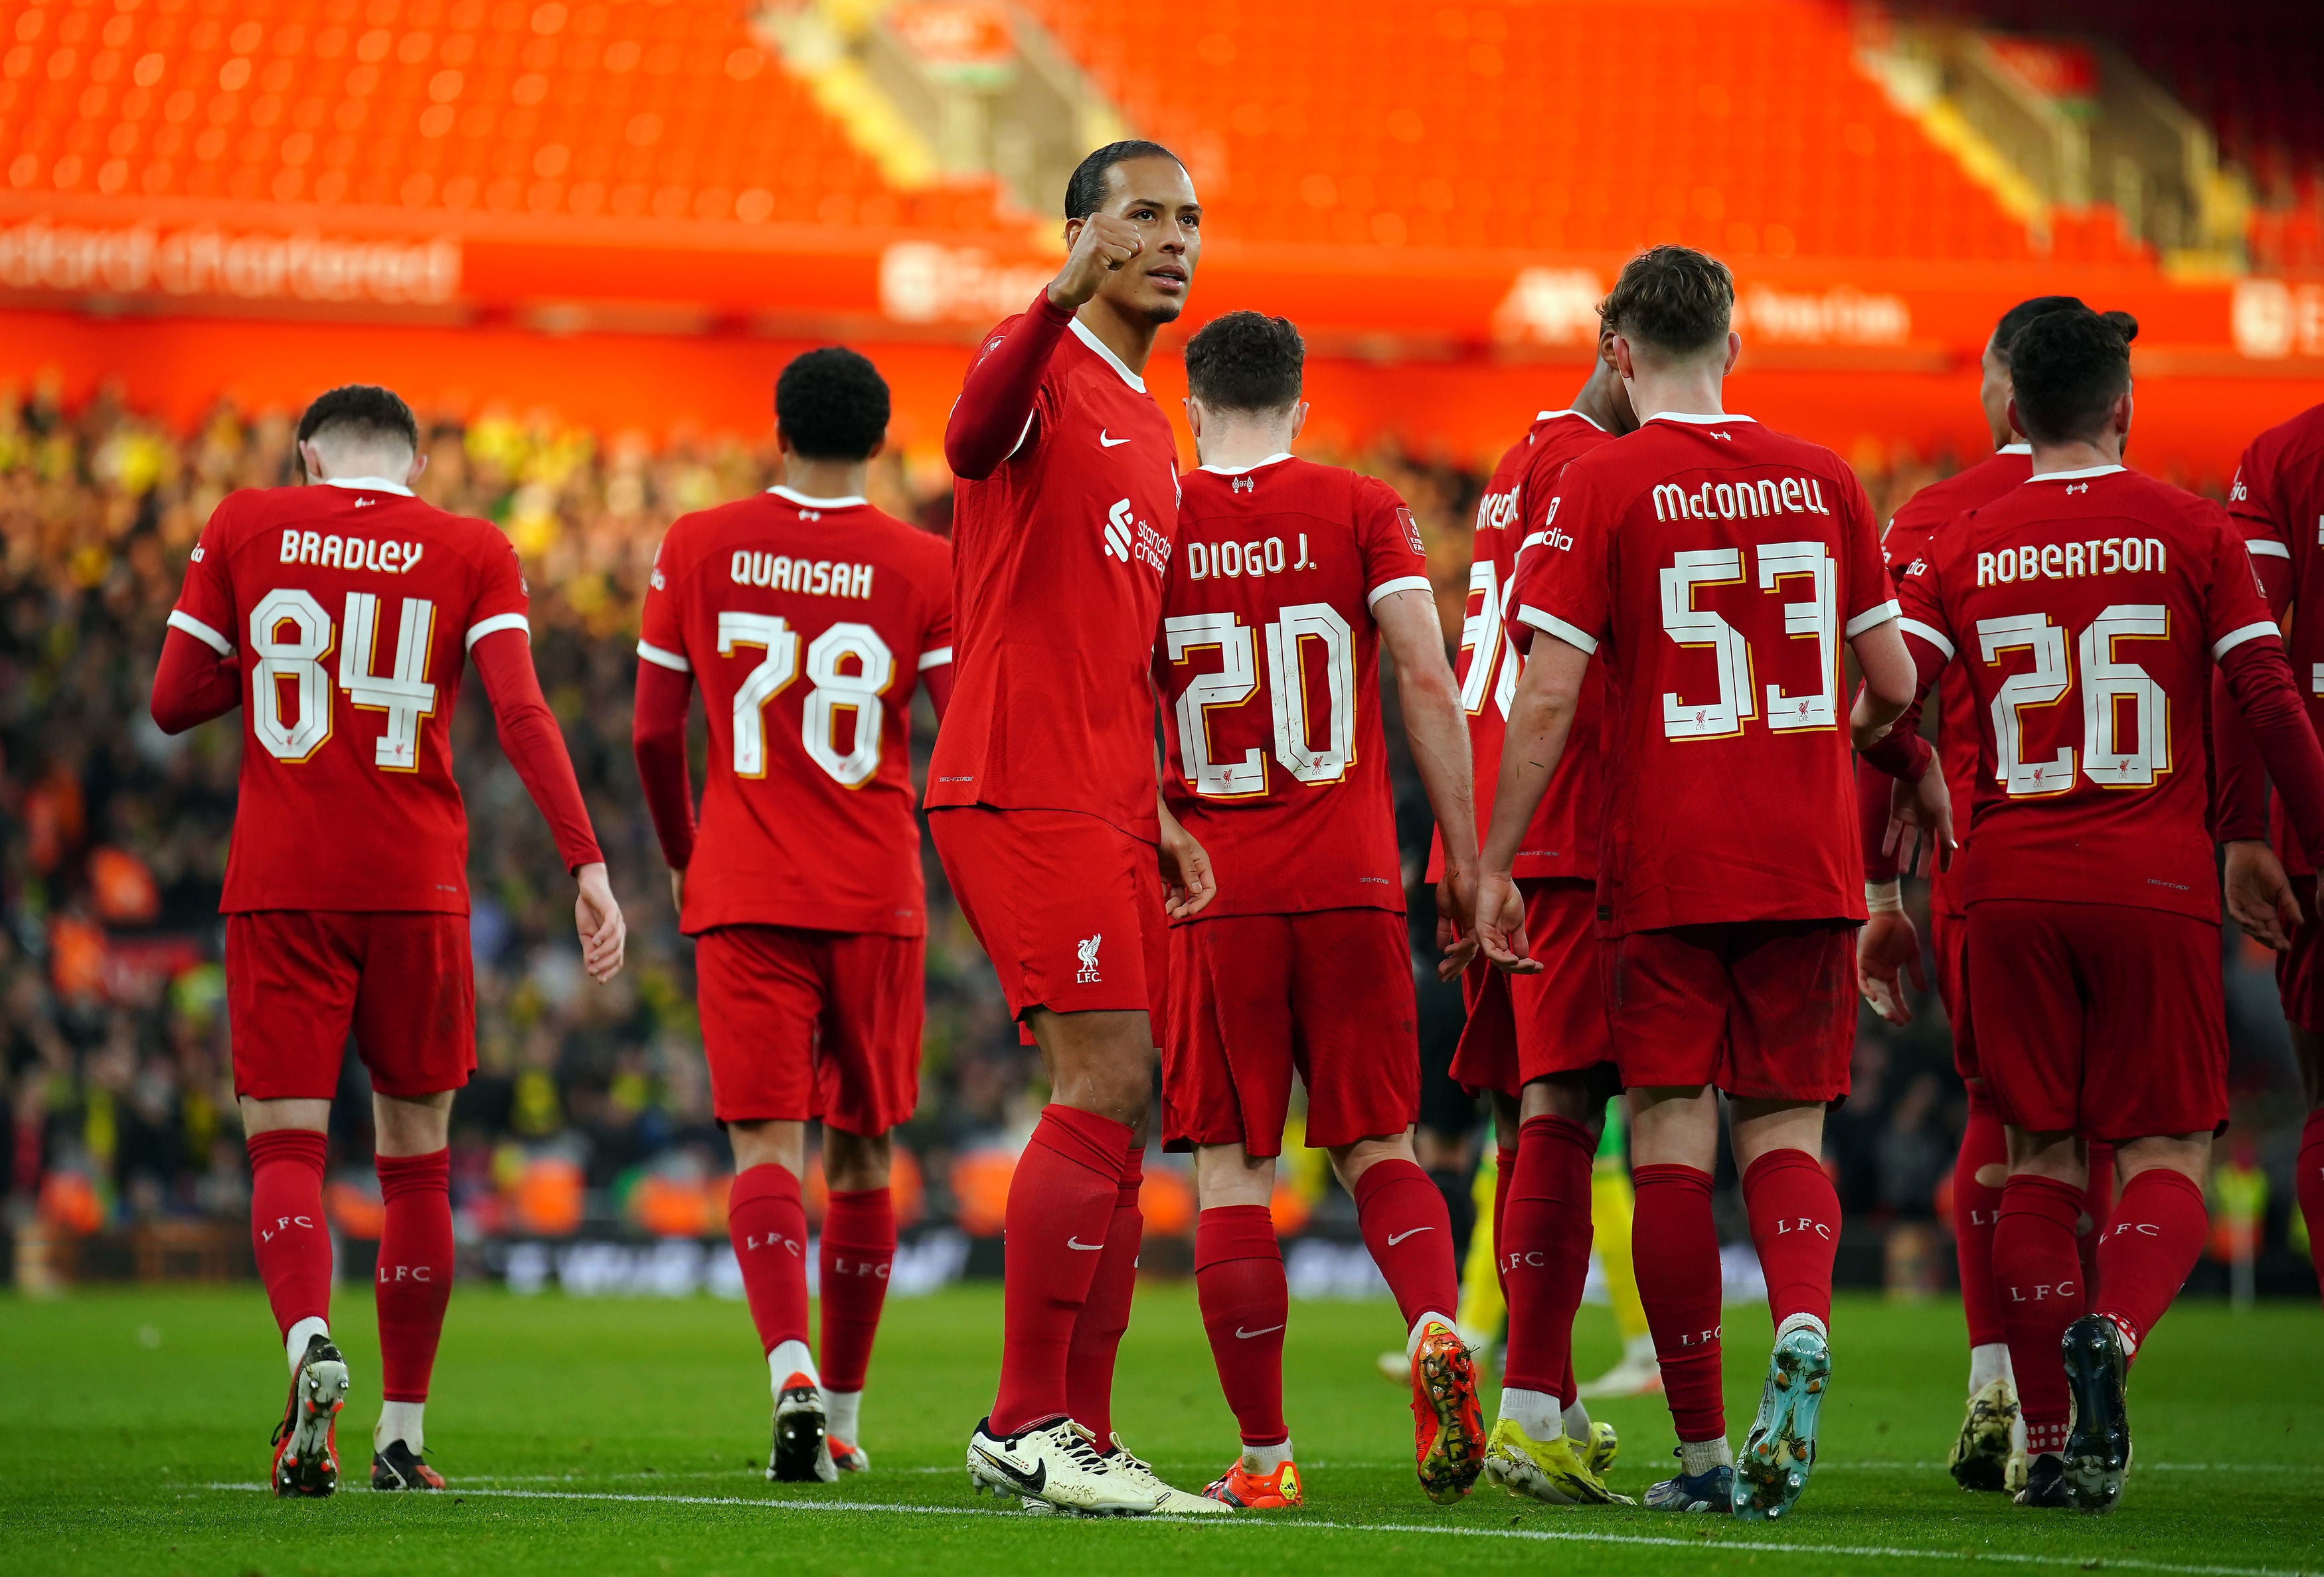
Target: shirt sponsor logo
pixel 820 577
pixel 1736 500
pixel 351 552
pixel 1087 949
pixel 1128 538
pixel 2071 560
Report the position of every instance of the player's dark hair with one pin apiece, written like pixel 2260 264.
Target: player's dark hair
pixel 833 405
pixel 1085 188
pixel 2025 312
pixel 1246 361
pixel 1672 298
pixel 361 411
pixel 2067 368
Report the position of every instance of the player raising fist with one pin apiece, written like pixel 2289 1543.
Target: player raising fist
pixel 338 616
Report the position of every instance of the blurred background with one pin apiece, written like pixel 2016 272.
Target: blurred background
pixel 582 239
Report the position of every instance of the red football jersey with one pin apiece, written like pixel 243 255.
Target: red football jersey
pixel 1716 567
pixel 1563 839
pixel 2087 608
pixel 1269 669
pixel 1058 559
pixel 350 606
pixel 807 622
pixel 1906 541
pixel 2278 501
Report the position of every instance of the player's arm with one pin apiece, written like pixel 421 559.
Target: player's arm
pixel 1889 945
pixel 194 681
pixel 1540 719
pixel 658 740
pixel 1188 883
pixel 1437 729
pixel 536 748
pixel 2258 893
pixel 937 682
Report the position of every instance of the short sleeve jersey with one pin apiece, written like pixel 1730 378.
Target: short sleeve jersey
pixel 1716 567
pixel 2278 504
pixel 807 623
pixel 1562 839
pixel 2087 609
pixel 1058 558
pixel 1268 665
pixel 350 607
pixel 1904 543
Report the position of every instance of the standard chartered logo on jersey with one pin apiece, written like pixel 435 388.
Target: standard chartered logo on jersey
pixel 1128 538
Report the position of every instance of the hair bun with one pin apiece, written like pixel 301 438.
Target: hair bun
pixel 2121 323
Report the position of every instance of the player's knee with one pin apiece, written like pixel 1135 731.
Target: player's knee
pixel 854 1162
pixel 772 1142
pixel 1353 1161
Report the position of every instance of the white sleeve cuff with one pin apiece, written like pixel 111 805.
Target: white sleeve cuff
pixel 1928 632
pixel 2234 638
pixel 668 659
pixel 181 620
pixel 1402 583
pixel 1879 613
pixel 2266 548
pixel 493 625
pixel 937 658
pixel 1551 624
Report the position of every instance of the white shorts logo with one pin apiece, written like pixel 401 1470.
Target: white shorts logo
pixel 1088 975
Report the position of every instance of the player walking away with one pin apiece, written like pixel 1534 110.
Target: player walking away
pixel 1288 579
pixel 1717 568
pixel 1989 1453
pixel 809 617
pixel 1043 800
pixel 338 615
pixel 2278 489
pixel 1538 1041
pixel 2087 607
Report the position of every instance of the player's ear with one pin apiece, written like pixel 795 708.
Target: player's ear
pixel 419 464
pixel 2016 426
pixel 1617 351
pixel 1298 420
pixel 1072 232
pixel 311 462
pixel 1195 417
pixel 2121 413
pixel 878 445
pixel 782 439
pixel 1734 350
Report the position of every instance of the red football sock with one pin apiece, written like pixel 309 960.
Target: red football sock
pixel 859 1245
pixel 1795 1227
pixel 1061 1204
pixel 1677 1264
pixel 2097 1205
pixel 2309 1187
pixel 2039 1279
pixel 1546 1251
pixel 1409 1232
pixel 2150 1248
pixel 768 1225
pixel 287 1233
pixel 1097 1333
pixel 1246 1303
pixel 1505 1172
pixel 1976 1208
pixel 415 1270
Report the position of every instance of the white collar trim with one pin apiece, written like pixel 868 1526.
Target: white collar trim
pixel 1547 415
pixel 2015 449
pixel 1243 470
pixel 804 501
pixel 1694 418
pixel 1111 360
pixel 368 484
pixel 2088 471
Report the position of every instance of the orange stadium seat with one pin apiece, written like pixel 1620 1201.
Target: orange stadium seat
pixel 1741 126
pixel 659 108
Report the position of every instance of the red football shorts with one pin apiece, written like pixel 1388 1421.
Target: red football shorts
pixel 799 1024
pixel 1525 1027
pixel 2299 978
pixel 298 981
pixel 1761 1008
pixel 2099 1017
pixel 1069 906
pixel 1253 997
pixel 1949 941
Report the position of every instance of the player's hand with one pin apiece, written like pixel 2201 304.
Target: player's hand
pixel 1500 926
pixel 1456 926
pixel 1188 884
pixel 678 891
pixel 2260 895
pixel 1926 810
pixel 604 933
pixel 1886 943
pixel 1105 245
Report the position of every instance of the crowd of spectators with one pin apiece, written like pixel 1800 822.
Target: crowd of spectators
pixel 589 1103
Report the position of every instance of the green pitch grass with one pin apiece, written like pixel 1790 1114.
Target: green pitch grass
pixel 616 1435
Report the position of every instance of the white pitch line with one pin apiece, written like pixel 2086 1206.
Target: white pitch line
pixel 1537 1535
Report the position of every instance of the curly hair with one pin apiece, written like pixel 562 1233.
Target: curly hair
pixel 1246 361
pixel 1674 298
pixel 2067 368
pixel 833 405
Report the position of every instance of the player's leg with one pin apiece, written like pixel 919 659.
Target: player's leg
pixel 2308 1045
pixel 856 1250
pixel 290 990
pixel 2039 1273
pixel 1246 1305
pixel 1613 1207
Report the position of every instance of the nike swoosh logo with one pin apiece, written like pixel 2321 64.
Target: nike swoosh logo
pixel 1107 443
pixel 1077 1243
pixel 1032 1483
pixel 1400 1237
pixel 1262 1330
pixel 365 502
